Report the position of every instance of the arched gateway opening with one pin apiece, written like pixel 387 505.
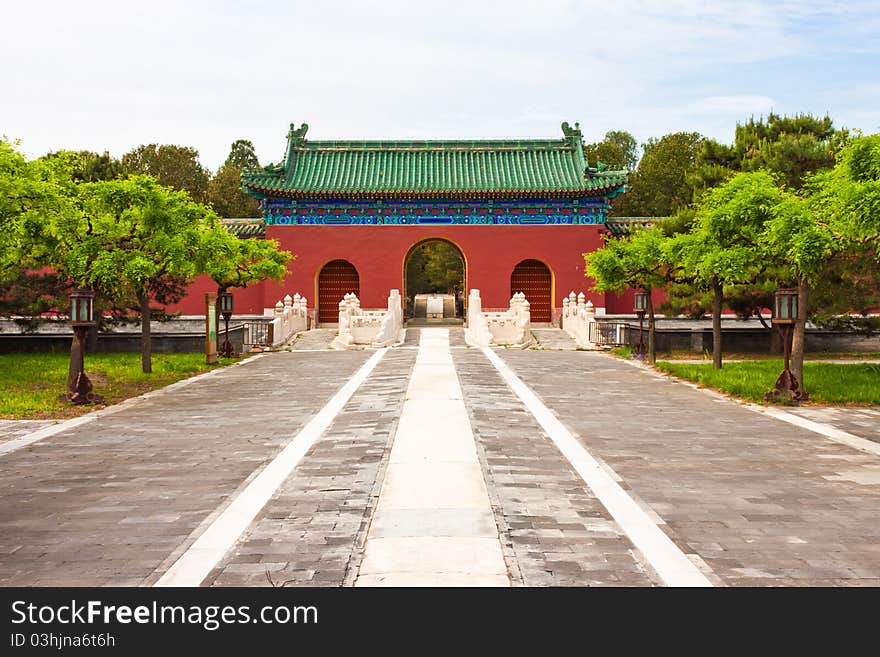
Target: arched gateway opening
pixel 435 275
pixel 534 279
pixel 336 279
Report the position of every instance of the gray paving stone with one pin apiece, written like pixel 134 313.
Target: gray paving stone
pixel 536 495
pixel 315 525
pixel 12 429
pixel 123 492
pixel 747 493
pixel 553 338
pixel 862 421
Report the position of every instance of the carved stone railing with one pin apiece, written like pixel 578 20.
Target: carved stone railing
pixel 510 328
pixel 579 321
pixel 376 328
pixel 289 317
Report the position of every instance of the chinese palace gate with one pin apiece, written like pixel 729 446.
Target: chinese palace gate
pixel 521 213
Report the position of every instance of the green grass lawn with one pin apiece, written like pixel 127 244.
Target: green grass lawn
pixel 30 384
pixel 827 383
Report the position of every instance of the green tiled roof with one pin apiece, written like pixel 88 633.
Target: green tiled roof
pixel 245 227
pixel 618 226
pixel 433 168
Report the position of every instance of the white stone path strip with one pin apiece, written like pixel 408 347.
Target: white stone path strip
pixel 669 562
pixel 194 565
pixel 433 524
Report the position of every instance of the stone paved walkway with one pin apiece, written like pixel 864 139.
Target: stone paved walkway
pixel 760 501
pixel 12 429
pixel 750 500
pixel 553 338
pixel 319 338
pixel 862 421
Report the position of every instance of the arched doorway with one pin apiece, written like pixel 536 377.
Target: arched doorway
pixel 534 279
pixel 336 279
pixel 435 275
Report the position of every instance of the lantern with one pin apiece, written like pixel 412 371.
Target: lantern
pixel 224 303
pixel 785 306
pixel 641 302
pixel 82 308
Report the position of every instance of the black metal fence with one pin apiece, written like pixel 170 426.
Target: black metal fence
pixel 610 334
pixel 258 333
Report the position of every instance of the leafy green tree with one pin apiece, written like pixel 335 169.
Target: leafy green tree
pixel 795 239
pixel 224 191
pixel 638 260
pixel 791 146
pixel 234 262
pixel 242 155
pixel 134 241
pixel 723 247
pixel 661 185
pixel 618 150
pixel 32 194
pixel 177 167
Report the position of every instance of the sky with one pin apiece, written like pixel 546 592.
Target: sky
pixel 114 75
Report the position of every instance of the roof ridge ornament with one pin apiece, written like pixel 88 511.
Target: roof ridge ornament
pixel 298 135
pixel 572 133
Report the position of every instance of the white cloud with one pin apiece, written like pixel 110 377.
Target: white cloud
pixel 111 76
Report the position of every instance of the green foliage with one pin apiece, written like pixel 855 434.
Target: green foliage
pixel 792 147
pixel 242 155
pixel 618 150
pixel 224 191
pixel 832 383
pixel 177 167
pixel 133 238
pixel 724 244
pixel 661 185
pixel 434 266
pixel 234 262
pixel 847 198
pixel 636 260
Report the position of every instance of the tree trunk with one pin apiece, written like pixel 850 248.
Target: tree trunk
pixel 652 344
pixel 717 299
pixel 146 361
pixel 797 341
pixel 75 358
pixel 92 339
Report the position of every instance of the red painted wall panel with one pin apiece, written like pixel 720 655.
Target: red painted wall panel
pixel 378 252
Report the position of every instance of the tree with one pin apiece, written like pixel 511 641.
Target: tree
pixel 618 150
pixel 32 194
pixel 177 167
pixel 723 247
pixel 242 155
pixel 636 260
pixel 794 238
pixel 838 232
pixel 224 191
pixel 791 146
pixel 133 241
pixel 661 185
pixel 234 262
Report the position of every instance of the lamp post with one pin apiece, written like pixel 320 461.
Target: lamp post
pixel 82 317
pixel 785 314
pixel 641 307
pixel 224 304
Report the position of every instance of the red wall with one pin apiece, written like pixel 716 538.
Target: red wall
pixel 378 253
